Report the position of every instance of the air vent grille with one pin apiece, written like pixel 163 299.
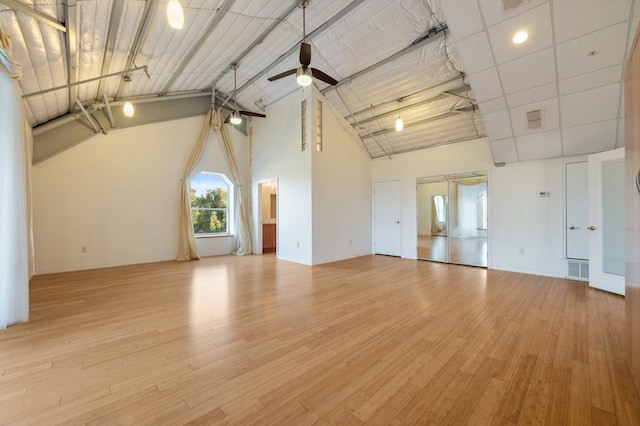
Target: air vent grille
pixel 511 4
pixel 534 119
pixel 578 270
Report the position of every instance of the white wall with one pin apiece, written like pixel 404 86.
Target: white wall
pixel 518 218
pixel 118 196
pixel 277 155
pixel 341 175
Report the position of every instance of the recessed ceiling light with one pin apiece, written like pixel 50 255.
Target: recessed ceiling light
pixel 520 37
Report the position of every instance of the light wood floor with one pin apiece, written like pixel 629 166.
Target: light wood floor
pixel 381 340
pixel 465 251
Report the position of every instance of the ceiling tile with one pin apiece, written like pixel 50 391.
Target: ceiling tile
pixel 590 138
pixel 498 125
pixel 504 151
pixel 535 94
pixel 486 85
pixel 593 15
pixel 529 71
pixel 537 22
pixel 476 53
pixel 493 105
pixel 576 57
pixel 591 80
pixel 493 11
pixel 591 106
pixel 550 117
pixel 463 17
pixel 539 146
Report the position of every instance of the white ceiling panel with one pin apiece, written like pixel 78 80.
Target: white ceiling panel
pixel 504 150
pixel 527 72
pixel 494 105
pixel 494 11
pixel 539 146
pixel 498 125
pixel 486 85
pixel 591 80
pixel 550 120
pixel 476 53
pixel 530 96
pixel 536 22
pixel 589 138
pixel 593 15
pixel 591 106
pixel 463 17
pixel 592 52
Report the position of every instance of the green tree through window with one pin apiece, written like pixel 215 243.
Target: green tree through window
pixel 209 206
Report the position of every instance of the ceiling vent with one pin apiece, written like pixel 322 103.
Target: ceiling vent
pixel 512 4
pixel 534 119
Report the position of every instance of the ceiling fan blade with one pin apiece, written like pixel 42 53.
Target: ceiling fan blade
pixel 282 74
pixel 305 54
pixel 324 77
pixel 252 114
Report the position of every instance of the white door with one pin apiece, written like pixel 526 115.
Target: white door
pixel 386 218
pixel 607 221
pixel 577 210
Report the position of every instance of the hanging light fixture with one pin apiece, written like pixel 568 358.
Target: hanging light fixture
pixel 304 76
pixel 127 108
pixel 399 125
pixel 175 15
pixel 235 115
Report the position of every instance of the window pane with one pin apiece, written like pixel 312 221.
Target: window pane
pixel 209 191
pixel 209 221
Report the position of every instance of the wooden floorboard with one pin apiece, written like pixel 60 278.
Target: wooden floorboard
pixel 372 340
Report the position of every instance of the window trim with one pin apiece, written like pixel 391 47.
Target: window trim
pixel 229 209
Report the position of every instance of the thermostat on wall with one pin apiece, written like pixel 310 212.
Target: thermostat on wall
pixel 543 194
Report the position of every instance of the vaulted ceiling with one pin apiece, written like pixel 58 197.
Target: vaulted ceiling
pixel 431 63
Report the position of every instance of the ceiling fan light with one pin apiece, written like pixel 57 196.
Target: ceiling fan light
pixel 303 76
pixel 399 125
pixel 127 109
pixel 235 118
pixel 175 15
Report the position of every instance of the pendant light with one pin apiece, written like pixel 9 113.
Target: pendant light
pixel 399 125
pixel 304 77
pixel 175 15
pixel 235 115
pixel 127 108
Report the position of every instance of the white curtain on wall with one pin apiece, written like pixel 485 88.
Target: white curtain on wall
pixel 187 249
pixel 16 261
pixel 467 210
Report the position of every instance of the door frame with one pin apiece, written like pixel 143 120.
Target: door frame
pixel 374 233
pixel 258 249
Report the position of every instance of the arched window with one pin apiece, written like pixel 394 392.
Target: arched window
pixel 211 201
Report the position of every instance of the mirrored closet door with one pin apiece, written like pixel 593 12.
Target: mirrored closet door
pixel 453 218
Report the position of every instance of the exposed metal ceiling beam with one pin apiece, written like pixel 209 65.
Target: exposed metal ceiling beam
pixel 432 35
pixel 46 19
pixel 413 105
pixel 433 118
pixel 107 111
pixel 141 35
pixel 296 47
pixel 87 116
pixel 410 95
pixel 258 40
pixel 73 64
pixel 117 8
pixel 197 44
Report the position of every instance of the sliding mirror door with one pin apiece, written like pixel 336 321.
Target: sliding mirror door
pixel 468 219
pixel 453 218
pixel 432 206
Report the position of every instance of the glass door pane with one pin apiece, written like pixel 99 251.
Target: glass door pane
pixel 613 218
pixel 468 219
pixel 432 207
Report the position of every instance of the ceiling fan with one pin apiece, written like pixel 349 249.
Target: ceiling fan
pixel 304 73
pixel 235 116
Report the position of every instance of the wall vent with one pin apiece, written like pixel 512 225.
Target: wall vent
pixel 578 270
pixel 534 119
pixel 511 4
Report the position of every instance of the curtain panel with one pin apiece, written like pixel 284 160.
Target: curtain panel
pixel 16 253
pixel 187 249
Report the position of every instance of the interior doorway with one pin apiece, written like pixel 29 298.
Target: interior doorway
pixel 452 215
pixel 269 216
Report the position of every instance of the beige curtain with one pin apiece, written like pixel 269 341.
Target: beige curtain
pixel 187 249
pixel 16 249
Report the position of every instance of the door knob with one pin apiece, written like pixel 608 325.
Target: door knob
pixel 591 228
pixel 398 222
pixel 572 227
